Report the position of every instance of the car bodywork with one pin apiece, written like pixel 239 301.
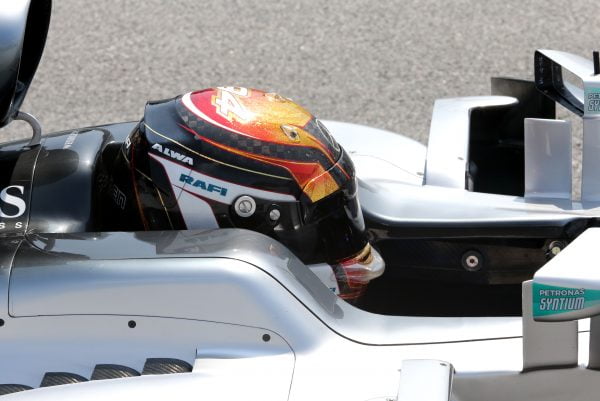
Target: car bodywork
pixel 230 314
pixel 254 316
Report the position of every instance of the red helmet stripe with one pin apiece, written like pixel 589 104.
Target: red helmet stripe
pixel 303 172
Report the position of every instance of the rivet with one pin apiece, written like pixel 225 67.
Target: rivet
pixel 555 247
pixel 274 215
pixel 245 206
pixel 472 261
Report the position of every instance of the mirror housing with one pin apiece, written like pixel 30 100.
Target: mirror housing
pixel 23 30
pixel 549 79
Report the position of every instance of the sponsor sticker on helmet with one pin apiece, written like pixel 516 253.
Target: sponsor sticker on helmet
pixel 173 154
pixel 228 105
pixel 206 186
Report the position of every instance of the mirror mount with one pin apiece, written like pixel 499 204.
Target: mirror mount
pixel 584 102
pixel 36 138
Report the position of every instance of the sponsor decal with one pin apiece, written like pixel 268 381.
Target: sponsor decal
pixel 227 103
pixel 211 187
pixel 592 101
pixel 70 140
pixel 119 197
pixel 4 225
pixel 172 154
pixel 12 206
pixel 13 198
pixel 206 186
pixel 553 300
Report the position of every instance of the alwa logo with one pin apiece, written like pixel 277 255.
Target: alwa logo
pixel 188 179
pixel 172 154
pixel 11 203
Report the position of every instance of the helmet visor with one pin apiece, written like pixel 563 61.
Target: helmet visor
pixel 338 222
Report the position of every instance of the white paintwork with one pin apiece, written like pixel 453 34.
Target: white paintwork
pixel 547 159
pixel 425 380
pixel 325 273
pixel 218 309
pixel 272 372
pixel 213 311
pixel 448 146
pixel 401 203
pixel 388 191
pixel 196 212
pixel 594 348
pixel 389 165
pixel 216 289
pixel 380 155
pixel 330 370
pixel 580 66
pixel 76 343
pixel 547 344
pixel 590 170
pixel 576 266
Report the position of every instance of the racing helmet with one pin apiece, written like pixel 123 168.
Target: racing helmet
pixel 239 157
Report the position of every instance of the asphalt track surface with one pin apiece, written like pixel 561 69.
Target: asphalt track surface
pixel 378 63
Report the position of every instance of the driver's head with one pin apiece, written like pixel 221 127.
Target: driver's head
pixel 238 157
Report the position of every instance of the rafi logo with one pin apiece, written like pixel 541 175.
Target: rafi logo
pixel 172 154
pixel 202 184
pixel 12 205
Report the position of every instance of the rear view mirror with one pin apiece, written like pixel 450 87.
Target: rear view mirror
pixel 23 30
pixel 567 79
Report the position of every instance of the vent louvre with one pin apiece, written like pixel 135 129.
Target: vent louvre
pixel 163 366
pixel 12 388
pixel 59 378
pixel 107 371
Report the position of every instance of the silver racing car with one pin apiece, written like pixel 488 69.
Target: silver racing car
pixel 230 245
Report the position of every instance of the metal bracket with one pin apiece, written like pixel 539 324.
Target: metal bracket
pixel 36 138
pixel 547 345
